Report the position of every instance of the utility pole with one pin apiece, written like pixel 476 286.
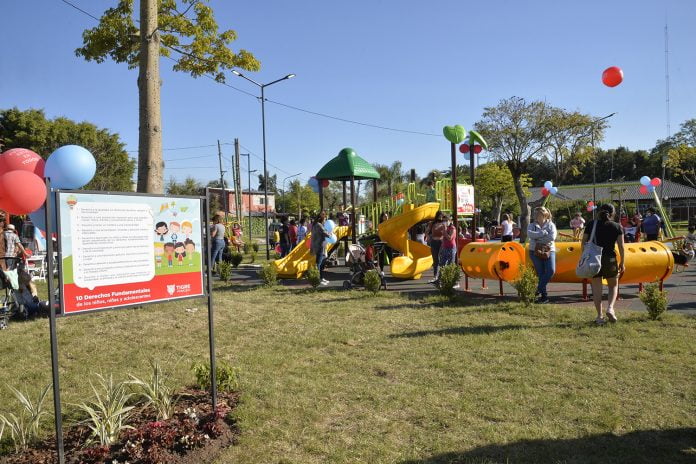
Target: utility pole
pixel 238 184
pixel 222 183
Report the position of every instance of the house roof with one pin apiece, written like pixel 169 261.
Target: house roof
pixel 345 165
pixel 627 190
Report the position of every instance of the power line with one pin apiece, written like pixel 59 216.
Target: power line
pixel 296 108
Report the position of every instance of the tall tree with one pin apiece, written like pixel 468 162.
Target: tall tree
pixel 681 160
pixel 391 178
pixel 570 137
pixel 516 132
pixel 189 186
pixel 301 196
pixel 494 187
pixel 187 27
pixel 31 129
pixel 272 183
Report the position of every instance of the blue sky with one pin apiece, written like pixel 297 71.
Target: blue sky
pixel 411 65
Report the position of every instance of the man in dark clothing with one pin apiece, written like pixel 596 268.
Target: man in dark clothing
pixel 285 242
pixel 317 238
pixel 651 224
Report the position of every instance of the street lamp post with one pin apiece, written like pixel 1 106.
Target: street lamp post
pixel 284 196
pixel 263 131
pixel 249 172
pixel 594 160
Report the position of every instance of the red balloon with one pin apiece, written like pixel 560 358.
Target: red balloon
pixel 643 189
pixel 464 148
pixel 590 203
pixel 325 183
pixel 21 159
pixel 612 76
pixel 478 149
pixel 544 192
pixel 21 192
pixel 655 182
pixel 589 209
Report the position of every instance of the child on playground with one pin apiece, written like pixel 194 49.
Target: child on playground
pixel 690 243
pixel 577 224
pixel 448 250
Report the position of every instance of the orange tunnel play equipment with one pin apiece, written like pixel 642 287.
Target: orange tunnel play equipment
pixel 492 260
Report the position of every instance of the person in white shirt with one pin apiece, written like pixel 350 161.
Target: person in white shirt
pixel 507 224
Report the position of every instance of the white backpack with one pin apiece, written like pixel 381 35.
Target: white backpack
pixel 591 260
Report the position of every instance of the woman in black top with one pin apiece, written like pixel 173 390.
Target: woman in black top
pixel 607 235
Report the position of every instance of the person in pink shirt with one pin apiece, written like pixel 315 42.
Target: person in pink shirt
pixel 577 224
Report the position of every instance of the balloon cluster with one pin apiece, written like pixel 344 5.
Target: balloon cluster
pixel 314 183
pixel 466 148
pixel 548 189
pixel 22 173
pixel 648 185
pixel 591 206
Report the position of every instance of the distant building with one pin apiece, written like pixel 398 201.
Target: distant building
pixel 251 199
pixel 679 199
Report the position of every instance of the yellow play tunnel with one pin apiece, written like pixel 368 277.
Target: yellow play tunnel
pixel 492 260
pixel 645 262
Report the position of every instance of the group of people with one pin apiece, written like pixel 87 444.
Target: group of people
pixel 13 265
pixel 608 234
pixel 634 227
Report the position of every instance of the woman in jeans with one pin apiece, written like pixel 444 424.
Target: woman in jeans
pixel 542 234
pixel 448 249
pixel 436 230
pixel 319 234
pixel 607 235
pixel 217 235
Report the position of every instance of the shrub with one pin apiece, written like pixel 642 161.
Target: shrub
pixel 526 285
pixel 654 299
pixel 226 376
pixel 157 392
pixel 449 279
pixel 107 412
pixel 236 259
pixel 255 247
pixel 269 274
pixel 312 275
pixel 373 281
pixel 252 257
pixel 225 271
pixel 24 428
pixel 246 248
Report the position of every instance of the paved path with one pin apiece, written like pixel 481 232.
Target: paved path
pixel 681 289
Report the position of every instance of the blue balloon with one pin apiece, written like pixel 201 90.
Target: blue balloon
pixel 70 167
pixel 329 225
pixel 548 184
pixel 314 184
pixel 38 217
pixel 553 190
pixel 651 188
pixel 645 180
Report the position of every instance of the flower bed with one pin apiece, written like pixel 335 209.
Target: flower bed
pixel 194 434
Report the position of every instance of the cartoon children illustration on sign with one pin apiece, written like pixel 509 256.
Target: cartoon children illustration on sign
pixel 169 253
pixel 187 229
pixel 179 252
pixel 174 228
pixel 159 251
pixel 161 230
pixel 190 248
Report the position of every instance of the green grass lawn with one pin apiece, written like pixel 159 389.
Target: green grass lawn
pixel 341 377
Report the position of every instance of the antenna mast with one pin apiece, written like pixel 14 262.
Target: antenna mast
pixel 669 129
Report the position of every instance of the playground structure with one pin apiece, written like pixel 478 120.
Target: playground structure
pixel 296 263
pixel 415 258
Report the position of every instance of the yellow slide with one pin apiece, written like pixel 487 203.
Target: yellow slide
pixel 301 258
pixel 416 257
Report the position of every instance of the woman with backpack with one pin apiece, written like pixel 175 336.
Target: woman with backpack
pixel 607 235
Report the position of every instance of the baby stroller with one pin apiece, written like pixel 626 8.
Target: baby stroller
pixel 8 305
pixel 362 259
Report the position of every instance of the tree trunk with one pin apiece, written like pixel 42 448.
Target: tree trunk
pixel 524 208
pixel 150 164
pixel 497 207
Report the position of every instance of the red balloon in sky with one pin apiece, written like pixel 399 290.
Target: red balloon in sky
pixel 23 160
pixel 612 76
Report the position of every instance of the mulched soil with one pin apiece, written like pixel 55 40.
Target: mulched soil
pixel 194 435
